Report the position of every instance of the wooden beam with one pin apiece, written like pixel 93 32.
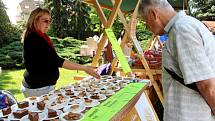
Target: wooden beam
pixel 106 24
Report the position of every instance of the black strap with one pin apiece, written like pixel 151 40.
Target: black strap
pixel 181 80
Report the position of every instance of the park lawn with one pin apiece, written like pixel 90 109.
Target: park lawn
pixel 11 80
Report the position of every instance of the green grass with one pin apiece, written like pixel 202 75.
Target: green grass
pixel 11 80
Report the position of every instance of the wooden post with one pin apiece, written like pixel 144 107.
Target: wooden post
pixel 107 24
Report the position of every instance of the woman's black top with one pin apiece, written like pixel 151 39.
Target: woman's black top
pixel 41 62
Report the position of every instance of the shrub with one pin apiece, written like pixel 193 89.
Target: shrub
pixel 69 48
pixel 11 56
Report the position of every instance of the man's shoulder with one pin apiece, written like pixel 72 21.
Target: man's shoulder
pixel 188 23
pixel 185 19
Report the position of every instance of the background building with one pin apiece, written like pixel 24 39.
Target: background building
pixel 25 7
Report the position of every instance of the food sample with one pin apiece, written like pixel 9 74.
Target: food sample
pixel 52 113
pixel 32 98
pixel 82 94
pixel 23 104
pixel 6 111
pixel 59 94
pixel 45 97
pixel 103 91
pixel 106 83
pixel 90 89
pixel 69 92
pixel 79 89
pixel 19 114
pixel 75 97
pixel 87 100
pixel 95 96
pixel 60 99
pixel 112 88
pixel 74 107
pixel 33 116
pixel 41 105
pixel 118 78
pixel 72 116
pixel 97 86
pixel 85 84
pixel 106 77
pixel 121 84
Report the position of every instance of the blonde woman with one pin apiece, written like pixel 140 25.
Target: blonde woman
pixel 40 58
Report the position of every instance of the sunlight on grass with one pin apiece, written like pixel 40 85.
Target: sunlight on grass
pixel 11 80
pixel 66 77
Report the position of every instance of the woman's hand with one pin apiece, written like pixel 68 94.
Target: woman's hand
pixel 89 70
pixel 74 66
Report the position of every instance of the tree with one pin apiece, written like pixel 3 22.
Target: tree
pixel 5 24
pixel 117 27
pixel 70 18
pixel 56 13
pixel 80 19
pixel 74 18
pixel 203 9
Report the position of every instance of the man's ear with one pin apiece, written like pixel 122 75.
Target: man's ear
pixel 153 14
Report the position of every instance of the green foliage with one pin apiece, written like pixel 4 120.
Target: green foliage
pixel 203 9
pixel 118 28
pixel 144 43
pixel 96 24
pixel 4 17
pixel 80 21
pixel 20 25
pixel 14 34
pixel 11 56
pixel 10 42
pixel 84 59
pixel 74 19
pixel 10 51
pixel 69 48
pixel 6 29
pixel 142 32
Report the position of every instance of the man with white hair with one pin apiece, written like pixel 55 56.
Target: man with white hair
pixel 188 62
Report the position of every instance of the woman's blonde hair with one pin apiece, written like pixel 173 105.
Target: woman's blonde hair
pixel 32 20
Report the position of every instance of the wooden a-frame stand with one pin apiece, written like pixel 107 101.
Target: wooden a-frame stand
pixel 153 40
pixel 130 29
